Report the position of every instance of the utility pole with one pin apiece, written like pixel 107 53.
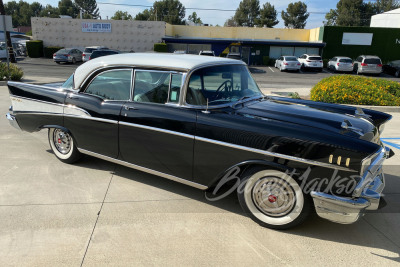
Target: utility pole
pixel 8 36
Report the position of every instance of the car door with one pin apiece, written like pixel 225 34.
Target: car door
pixel 92 114
pixel 155 132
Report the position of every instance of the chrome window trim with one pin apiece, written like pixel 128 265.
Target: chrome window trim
pixel 106 71
pixel 110 67
pixel 189 75
pixel 171 72
pixel 144 169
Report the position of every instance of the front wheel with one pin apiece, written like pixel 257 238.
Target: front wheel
pixel 62 145
pixel 73 60
pixel 273 199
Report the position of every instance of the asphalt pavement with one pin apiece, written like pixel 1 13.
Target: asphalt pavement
pixel 95 213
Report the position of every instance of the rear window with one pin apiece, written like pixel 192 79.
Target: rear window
pixel 62 51
pixel 372 61
pixel 89 50
pixel 290 58
pixel 314 58
pixel 344 60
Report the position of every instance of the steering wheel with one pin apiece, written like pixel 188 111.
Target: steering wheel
pixel 226 87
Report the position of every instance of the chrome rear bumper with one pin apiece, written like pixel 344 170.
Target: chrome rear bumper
pixel 366 196
pixel 13 121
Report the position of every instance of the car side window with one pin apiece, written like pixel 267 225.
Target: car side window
pixel 151 86
pixel 175 89
pixel 111 85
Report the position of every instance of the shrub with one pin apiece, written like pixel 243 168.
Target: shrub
pixel 160 47
pixel 356 90
pixel 34 48
pixel 15 73
pixel 50 50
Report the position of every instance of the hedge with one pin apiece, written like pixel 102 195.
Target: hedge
pixel 357 90
pixel 15 74
pixel 160 47
pixel 34 48
pixel 50 50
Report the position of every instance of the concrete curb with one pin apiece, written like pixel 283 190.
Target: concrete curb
pixel 3 83
pixel 388 109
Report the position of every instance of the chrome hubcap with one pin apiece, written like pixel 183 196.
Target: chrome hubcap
pixel 62 141
pixel 274 196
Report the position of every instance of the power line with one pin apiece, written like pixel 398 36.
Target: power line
pixel 227 10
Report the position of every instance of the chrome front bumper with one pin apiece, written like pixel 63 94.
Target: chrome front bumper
pixel 366 196
pixel 13 121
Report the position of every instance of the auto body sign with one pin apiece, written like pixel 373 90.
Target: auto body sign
pixel 96 27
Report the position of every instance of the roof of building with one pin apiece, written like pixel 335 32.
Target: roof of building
pixel 201 40
pixel 160 60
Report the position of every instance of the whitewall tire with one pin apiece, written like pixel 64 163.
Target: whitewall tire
pixel 273 199
pixel 63 146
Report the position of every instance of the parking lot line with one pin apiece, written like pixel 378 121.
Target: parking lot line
pixel 271 69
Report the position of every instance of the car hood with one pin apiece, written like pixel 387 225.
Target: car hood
pixel 309 116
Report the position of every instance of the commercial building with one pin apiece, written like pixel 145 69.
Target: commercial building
pixel 390 19
pixel 256 45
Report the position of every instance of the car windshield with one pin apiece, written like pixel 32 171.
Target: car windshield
pixel 291 58
pixel 314 58
pixel 221 85
pixel 346 60
pixel 69 84
pixel 372 61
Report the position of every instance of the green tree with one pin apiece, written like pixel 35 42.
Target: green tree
pixel 194 18
pixel 331 18
pixel 349 12
pixel 247 13
pixel 296 15
pixel 121 15
pixel 230 22
pixel 145 15
pixel 21 12
pixel 385 5
pixel 268 16
pixel 170 11
pixel 89 7
pixel 50 11
pixel 69 8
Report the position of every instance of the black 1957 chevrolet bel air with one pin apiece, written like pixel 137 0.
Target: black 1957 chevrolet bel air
pixel 203 121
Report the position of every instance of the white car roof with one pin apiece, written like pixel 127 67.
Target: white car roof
pixel 182 62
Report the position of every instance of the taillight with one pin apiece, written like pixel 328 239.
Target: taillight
pixel 285 63
pixel 89 58
pixel 379 65
pixel 338 64
pixel 54 54
pixel 298 64
pixel 83 55
pixel 67 55
pixel 320 61
pixel 364 64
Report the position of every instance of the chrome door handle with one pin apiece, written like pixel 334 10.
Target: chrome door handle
pixel 129 108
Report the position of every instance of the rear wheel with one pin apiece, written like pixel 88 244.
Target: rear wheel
pixel 63 146
pixel 273 199
pixel 73 60
pixel 397 74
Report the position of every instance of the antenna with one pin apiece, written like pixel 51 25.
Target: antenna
pixel 206 111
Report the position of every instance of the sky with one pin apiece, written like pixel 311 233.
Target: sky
pixel 214 17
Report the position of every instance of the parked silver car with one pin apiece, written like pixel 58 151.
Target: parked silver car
pixel 287 63
pixel 344 64
pixel 368 64
pixel 89 50
pixel 311 62
pixel 68 55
